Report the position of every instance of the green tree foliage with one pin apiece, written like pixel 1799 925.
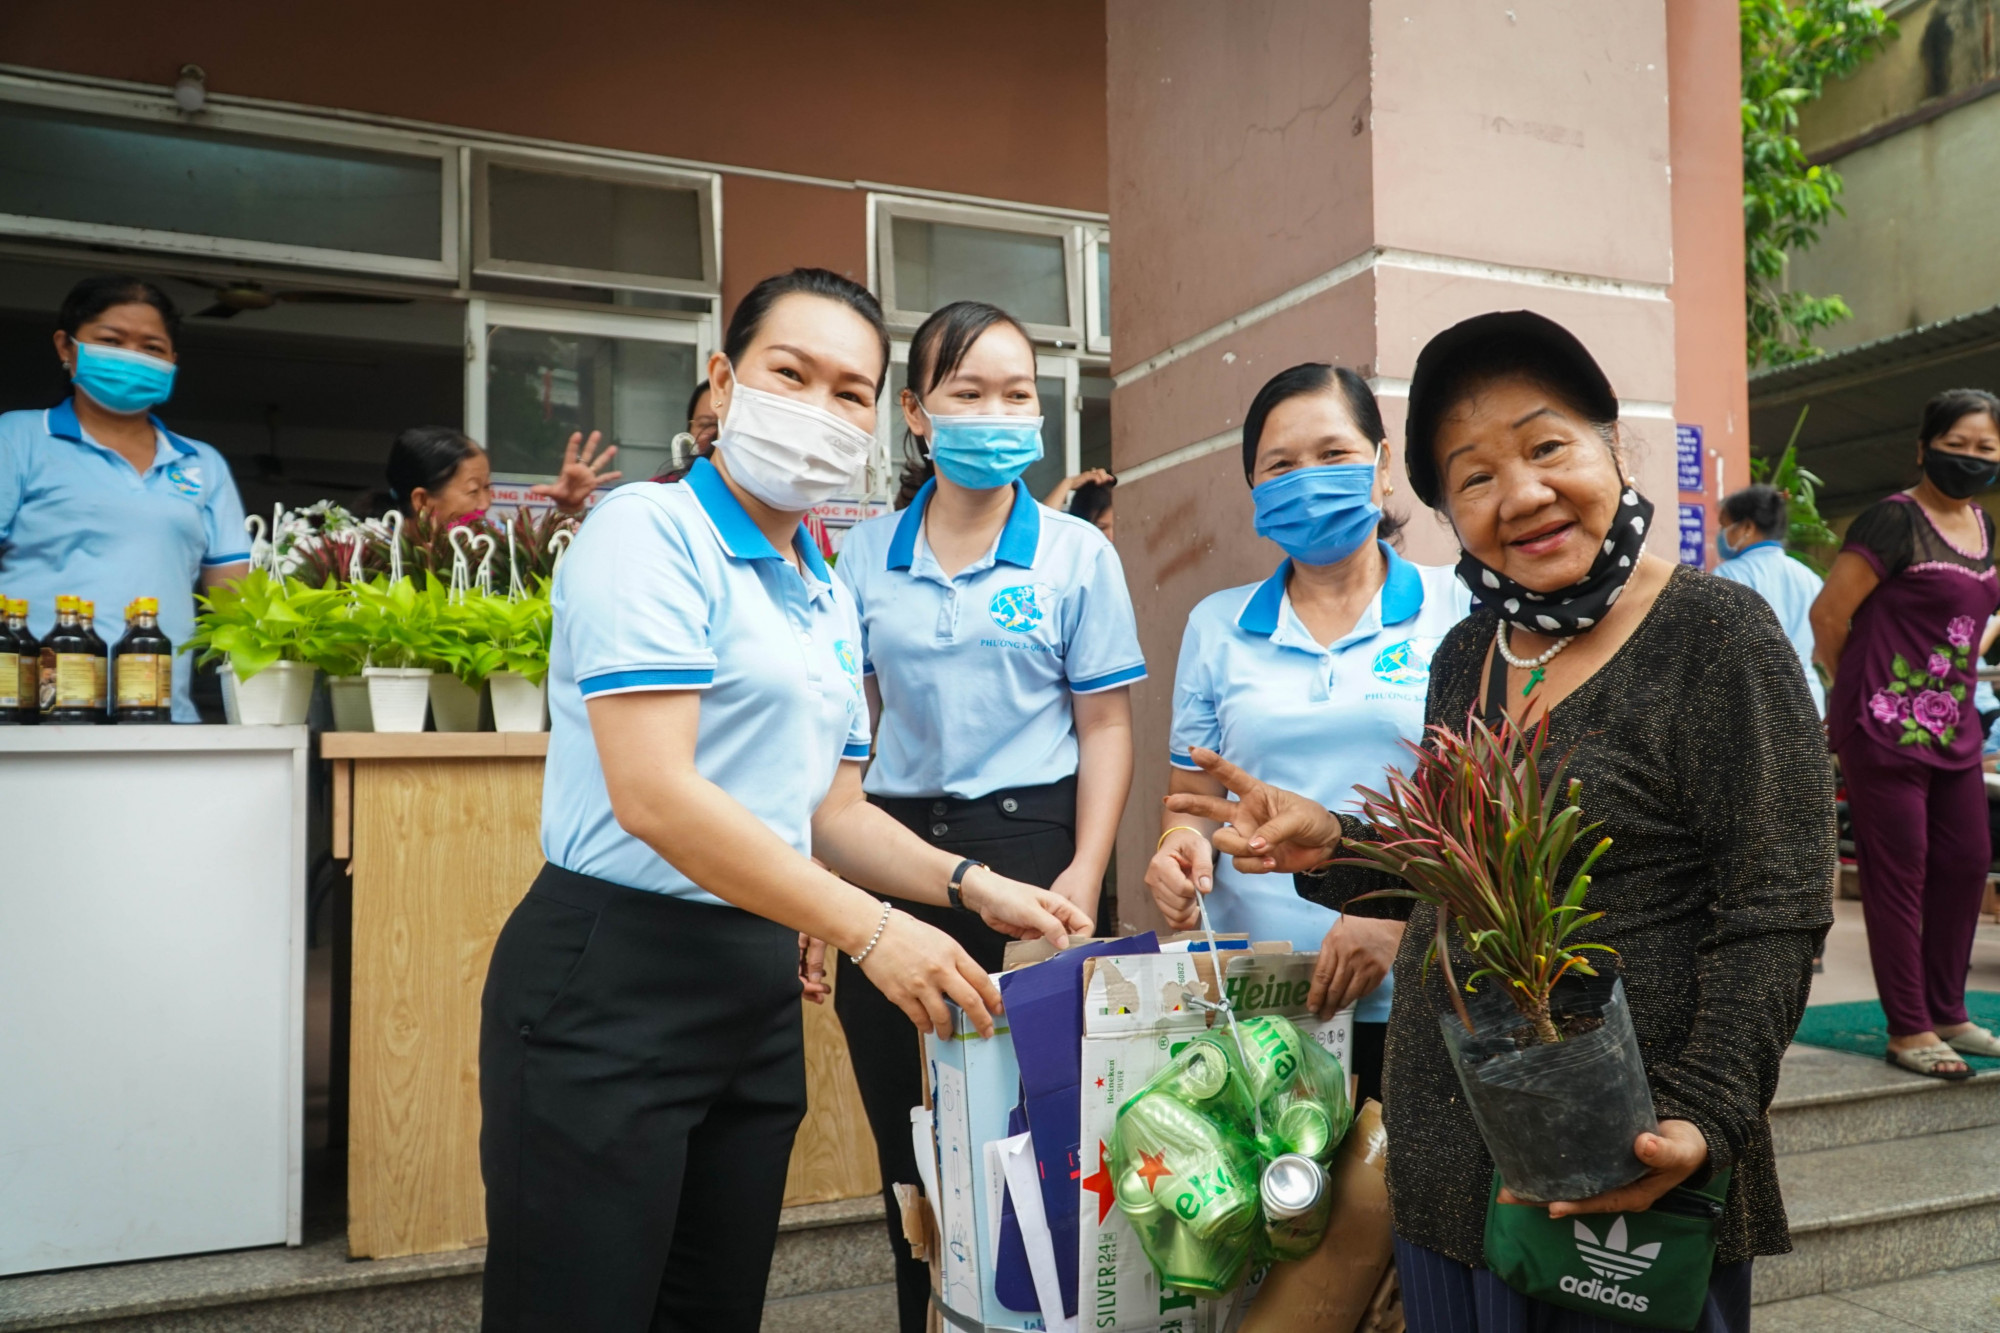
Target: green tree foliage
pixel 1790 49
pixel 1808 533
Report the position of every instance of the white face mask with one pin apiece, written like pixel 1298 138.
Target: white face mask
pixel 791 455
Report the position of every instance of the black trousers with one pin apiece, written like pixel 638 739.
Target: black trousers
pixel 1028 834
pixel 641 1065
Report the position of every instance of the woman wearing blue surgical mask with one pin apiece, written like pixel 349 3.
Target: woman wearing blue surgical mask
pixel 999 646
pixel 97 496
pixel 1319 671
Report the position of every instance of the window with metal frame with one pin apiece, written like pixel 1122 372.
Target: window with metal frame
pixel 929 254
pixel 565 222
pixel 230 186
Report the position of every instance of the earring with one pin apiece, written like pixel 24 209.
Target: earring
pixel 1388 489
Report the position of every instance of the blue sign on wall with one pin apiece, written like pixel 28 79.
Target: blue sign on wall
pixel 1688 456
pixel 1694 536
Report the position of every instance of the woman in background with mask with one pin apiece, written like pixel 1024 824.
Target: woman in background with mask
pixel 1751 542
pixel 998 638
pixel 1897 628
pixel 641 1067
pixel 1318 672
pixel 97 497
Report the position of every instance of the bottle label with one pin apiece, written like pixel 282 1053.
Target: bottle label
pixel 164 664
pixel 71 680
pixel 31 680
pixel 100 668
pixel 139 680
pixel 10 680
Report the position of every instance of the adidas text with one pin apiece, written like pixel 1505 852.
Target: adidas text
pixel 1596 1289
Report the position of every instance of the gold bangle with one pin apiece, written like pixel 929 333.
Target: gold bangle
pixel 1178 828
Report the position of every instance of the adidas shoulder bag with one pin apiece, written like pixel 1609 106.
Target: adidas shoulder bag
pixel 1646 1269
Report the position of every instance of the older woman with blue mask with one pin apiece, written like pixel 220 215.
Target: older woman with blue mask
pixel 1318 672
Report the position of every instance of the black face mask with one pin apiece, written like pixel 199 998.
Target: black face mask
pixel 1576 608
pixel 1961 476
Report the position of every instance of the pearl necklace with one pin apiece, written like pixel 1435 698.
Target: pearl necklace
pixel 1534 666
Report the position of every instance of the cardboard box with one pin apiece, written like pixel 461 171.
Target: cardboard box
pixel 1136 1017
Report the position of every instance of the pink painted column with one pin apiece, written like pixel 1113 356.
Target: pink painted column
pixel 1297 181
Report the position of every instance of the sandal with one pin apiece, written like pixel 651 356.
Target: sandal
pixel 1975 1040
pixel 1926 1060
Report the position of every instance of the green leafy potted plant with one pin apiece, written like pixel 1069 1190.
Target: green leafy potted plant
pixel 394 620
pixel 258 625
pixel 1480 829
pixel 518 630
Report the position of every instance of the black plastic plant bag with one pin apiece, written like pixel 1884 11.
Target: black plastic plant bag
pixel 1558 1120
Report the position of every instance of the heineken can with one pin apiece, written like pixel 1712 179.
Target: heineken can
pixel 1297 1205
pixel 1272 1044
pixel 1305 1128
pixel 1201 1265
pixel 1202 1074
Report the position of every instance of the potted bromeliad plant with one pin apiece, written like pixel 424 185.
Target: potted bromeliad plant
pixel 1541 1037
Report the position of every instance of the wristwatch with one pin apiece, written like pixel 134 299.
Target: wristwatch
pixel 954 891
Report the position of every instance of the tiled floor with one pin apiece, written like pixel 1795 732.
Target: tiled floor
pixel 1964 1301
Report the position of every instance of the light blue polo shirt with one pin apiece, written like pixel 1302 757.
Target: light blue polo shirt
pixel 977 671
pixel 675 588
pixel 1790 589
pixel 76 518
pixel 1256 687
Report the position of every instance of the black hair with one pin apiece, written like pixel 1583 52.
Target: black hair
pixel 1953 406
pixel 694 399
pixel 1761 505
pixel 1091 500
pixel 821 282
pixel 1313 377
pixel 93 296
pixel 936 350
pixel 427 457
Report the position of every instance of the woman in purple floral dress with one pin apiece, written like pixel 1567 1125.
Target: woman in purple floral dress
pixel 1898 626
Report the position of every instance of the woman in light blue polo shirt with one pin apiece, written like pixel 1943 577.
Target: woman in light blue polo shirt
pixel 998 637
pixel 641 1065
pixel 97 497
pixel 1319 672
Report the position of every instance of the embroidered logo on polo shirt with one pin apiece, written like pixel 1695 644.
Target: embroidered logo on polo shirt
pixel 1402 664
pixel 849 657
pixel 185 478
pixel 1018 609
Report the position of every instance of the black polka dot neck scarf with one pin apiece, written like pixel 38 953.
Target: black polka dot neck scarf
pixel 1576 608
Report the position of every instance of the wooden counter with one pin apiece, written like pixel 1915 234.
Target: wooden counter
pixel 443 835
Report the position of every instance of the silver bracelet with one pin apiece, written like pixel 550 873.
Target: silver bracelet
pixel 875 939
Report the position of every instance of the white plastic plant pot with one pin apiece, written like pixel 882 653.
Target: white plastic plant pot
pixel 229 711
pixel 519 704
pixel 349 697
pixel 398 697
pixel 454 704
pixel 280 695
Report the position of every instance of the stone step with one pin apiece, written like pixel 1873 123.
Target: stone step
pixel 1831 1099
pixel 1876 1212
pixel 1964 1300
pixel 830 1273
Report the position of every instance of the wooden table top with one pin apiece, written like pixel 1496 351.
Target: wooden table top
pixel 434 744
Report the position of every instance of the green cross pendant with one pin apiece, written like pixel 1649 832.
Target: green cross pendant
pixel 1534 679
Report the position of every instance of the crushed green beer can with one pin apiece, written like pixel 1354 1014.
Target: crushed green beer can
pixel 1299 1087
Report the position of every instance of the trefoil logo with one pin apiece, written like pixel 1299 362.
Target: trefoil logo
pixel 1610 1259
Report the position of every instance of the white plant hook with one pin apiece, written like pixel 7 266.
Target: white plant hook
pixel 395 540
pixel 278 517
pixel 484 544
pixel 516 590
pixel 461 563
pixel 254 525
pixel 559 547
pixel 354 560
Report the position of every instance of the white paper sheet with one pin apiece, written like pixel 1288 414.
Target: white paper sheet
pixel 1017 1157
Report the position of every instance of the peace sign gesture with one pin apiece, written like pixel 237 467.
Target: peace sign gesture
pixel 1265 828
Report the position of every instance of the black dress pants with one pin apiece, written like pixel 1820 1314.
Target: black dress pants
pixel 641 1076
pixel 1029 834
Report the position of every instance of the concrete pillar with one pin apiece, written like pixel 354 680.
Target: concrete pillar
pixel 1293 180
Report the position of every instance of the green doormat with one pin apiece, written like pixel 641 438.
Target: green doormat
pixel 1859 1026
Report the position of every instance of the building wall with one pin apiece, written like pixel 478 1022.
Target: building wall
pixel 895 91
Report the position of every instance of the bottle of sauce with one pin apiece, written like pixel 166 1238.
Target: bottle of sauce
pixel 30 678
pixel 69 689
pixel 11 649
pixel 143 667
pixel 86 614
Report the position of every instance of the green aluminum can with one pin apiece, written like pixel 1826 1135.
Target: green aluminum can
pixel 1305 1128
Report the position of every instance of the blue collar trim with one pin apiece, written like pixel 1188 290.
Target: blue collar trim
pixel 62 423
pixel 741 536
pixel 1758 546
pixel 1019 540
pixel 1402 595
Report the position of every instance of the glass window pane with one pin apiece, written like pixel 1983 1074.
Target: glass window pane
pixel 938 263
pixel 129 173
pixel 1094 420
pixel 547 217
pixel 1103 329
pixel 540 387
